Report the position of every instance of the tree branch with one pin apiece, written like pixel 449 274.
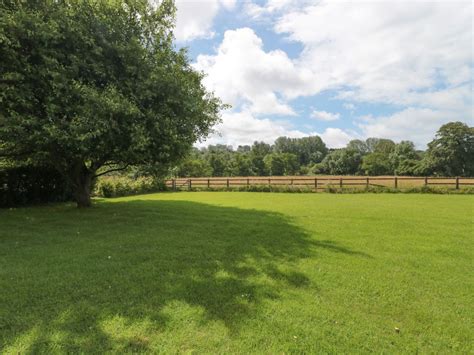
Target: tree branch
pixel 111 170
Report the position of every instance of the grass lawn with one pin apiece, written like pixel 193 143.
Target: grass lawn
pixel 233 272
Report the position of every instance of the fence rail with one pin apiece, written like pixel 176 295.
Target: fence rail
pixel 318 182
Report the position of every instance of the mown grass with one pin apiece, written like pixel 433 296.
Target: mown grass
pixel 235 272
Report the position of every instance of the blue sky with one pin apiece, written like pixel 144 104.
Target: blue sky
pixel 341 70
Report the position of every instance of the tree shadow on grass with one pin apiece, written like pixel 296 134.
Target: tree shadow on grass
pixel 104 278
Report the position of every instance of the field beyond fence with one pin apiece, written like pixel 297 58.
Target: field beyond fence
pixel 316 183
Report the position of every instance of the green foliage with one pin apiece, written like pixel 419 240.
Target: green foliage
pixel 116 186
pixel 403 158
pixel 376 163
pixel 240 165
pixel 344 161
pixel 451 153
pixel 194 167
pixel 257 155
pixel 93 84
pixel 308 150
pixel 279 164
pixel 30 185
pixel 373 156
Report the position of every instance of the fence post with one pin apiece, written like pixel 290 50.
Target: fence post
pixel 227 183
pixel 291 181
pixel 269 182
pixel 396 182
pixel 367 183
pixel 190 185
pixel 426 180
pixel 457 182
pixel 173 184
pixel 208 183
pixel 316 184
pixel 340 183
pixel 248 182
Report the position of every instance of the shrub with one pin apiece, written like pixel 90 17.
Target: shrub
pixel 116 186
pixel 26 185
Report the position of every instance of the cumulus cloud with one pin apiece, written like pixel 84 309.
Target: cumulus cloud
pixel 239 128
pixel 242 73
pixel 417 124
pixel 335 137
pixel 416 56
pixel 195 18
pixel 383 51
pixel 325 116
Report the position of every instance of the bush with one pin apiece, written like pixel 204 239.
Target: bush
pixel 116 186
pixel 26 185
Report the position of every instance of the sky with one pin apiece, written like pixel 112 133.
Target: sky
pixel 338 69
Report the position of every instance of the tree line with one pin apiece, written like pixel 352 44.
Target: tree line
pixel 450 153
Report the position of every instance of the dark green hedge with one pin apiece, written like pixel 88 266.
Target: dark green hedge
pixel 21 186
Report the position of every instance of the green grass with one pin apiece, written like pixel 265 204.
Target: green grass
pixel 240 272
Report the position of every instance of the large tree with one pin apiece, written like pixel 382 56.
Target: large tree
pixel 93 86
pixel 451 153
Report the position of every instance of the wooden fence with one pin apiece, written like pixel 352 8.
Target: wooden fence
pixel 318 182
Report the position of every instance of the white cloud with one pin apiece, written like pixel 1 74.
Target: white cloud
pixel 325 116
pixel 239 128
pixel 195 17
pixel 242 73
pixel 335 137
pixel 416 124
pixel 383 51
pixel 414 55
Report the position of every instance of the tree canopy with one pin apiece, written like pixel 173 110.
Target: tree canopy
pixel 94 86
pixel 452 151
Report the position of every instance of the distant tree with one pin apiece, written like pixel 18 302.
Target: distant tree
pixel 193 167
pixel 257 154
pixel 376 164
pixel 341 162
pixel 408 167
pixel 359 146
pixel 96 86
pixel 243 165
pixel 404 159
pixel 244 149
pixel 218 163
pixel 371 143
pixel 220 148
pixel 451 153
pixel 281 163
pixel 309 150
pixel 384 146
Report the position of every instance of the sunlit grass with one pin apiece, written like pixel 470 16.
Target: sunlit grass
pixel 239 272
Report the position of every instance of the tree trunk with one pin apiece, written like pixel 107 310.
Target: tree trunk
pixel 82 194
pixel 82 181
